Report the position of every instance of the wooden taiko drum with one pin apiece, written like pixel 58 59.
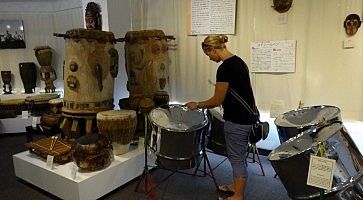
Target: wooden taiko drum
pixel 147 62
pixel 10 108
pixel 161 98
pixel 146 105
pixel 92 152
pixel 39 104
pixel 91 64
pixel 28 74
pixel 119 126
pixel 56 105
pixel 43 55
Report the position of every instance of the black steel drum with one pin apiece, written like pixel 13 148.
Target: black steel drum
pixel 291 162
pixel 294 122
pixel 216 141
pixel 176 136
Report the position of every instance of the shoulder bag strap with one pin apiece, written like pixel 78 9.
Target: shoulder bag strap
pixel 244 103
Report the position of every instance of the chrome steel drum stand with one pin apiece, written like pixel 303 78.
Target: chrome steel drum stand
pixel 147 177
pixel 252 148
pixel 205 161
pixel 150 188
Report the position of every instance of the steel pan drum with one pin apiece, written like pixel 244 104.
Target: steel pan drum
pixel 294 122
pixel 291 161
pixel 176 136
pixel 216 141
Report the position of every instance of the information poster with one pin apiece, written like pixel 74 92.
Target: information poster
pixel 212 17
pixel 273 56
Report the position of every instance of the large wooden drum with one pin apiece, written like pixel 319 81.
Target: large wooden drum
pixel 146 62
pixel 10 108
pixel 91 64
pixel 39 104
pixel 119 126
pixel 56 105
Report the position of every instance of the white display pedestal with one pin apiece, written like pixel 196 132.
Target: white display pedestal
pixel 87 185
pixel 14 125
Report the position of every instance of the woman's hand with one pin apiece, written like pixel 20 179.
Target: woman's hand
pixel 192 105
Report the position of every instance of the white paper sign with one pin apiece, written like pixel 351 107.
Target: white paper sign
pixel 321 172
pixel 50 162
pixel 24 114
pixel 35 121
pixel 141 144
pixel 74 168
pixel 212 17
pixel 37 90
pixel 273 56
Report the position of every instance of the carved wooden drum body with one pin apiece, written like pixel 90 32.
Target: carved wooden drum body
pixel 91 64
pixel 147 62
pixel 39 104
pixel 119 126
pixel 10 108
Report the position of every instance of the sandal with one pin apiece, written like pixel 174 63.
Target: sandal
pixel 226 189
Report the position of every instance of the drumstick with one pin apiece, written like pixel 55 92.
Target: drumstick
pixel 51 143
pixel 54 141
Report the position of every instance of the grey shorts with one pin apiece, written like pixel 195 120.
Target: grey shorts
pixel 236 136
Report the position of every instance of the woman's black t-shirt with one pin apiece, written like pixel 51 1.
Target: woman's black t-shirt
pixel 234 71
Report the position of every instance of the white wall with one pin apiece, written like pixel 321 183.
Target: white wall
pixel 40 20
pixel 325 72
pixel 119 19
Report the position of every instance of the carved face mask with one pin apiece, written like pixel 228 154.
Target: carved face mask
pixel 282 6
pixel 90 21
pixel 351 24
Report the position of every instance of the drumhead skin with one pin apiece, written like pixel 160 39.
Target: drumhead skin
pixel 56 101
pixel 41 97
pixel 116 114
pixel 177 118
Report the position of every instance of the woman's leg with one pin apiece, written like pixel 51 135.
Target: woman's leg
pixel 237 143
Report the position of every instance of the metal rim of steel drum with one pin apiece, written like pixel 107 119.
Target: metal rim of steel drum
pixel 303 143
pixel 194 127
pixel 325 112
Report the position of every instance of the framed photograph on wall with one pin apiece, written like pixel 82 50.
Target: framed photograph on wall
pixel 11 34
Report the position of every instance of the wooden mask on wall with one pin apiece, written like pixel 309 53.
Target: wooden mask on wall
pixel 351 24
pixel 282 6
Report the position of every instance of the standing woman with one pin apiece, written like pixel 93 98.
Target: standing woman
pixel 231 74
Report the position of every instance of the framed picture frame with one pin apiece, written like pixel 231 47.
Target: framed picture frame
pixel 11 34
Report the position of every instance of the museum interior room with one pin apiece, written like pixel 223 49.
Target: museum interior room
pixel 130 99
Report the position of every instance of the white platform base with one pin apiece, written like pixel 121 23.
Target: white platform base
pixel 86 185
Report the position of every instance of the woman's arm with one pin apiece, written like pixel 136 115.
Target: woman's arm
pixel 217 99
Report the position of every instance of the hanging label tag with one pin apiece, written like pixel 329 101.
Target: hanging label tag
pixel 320 172
pixel 50 162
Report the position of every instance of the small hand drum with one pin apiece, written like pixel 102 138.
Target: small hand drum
pixel 119 126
